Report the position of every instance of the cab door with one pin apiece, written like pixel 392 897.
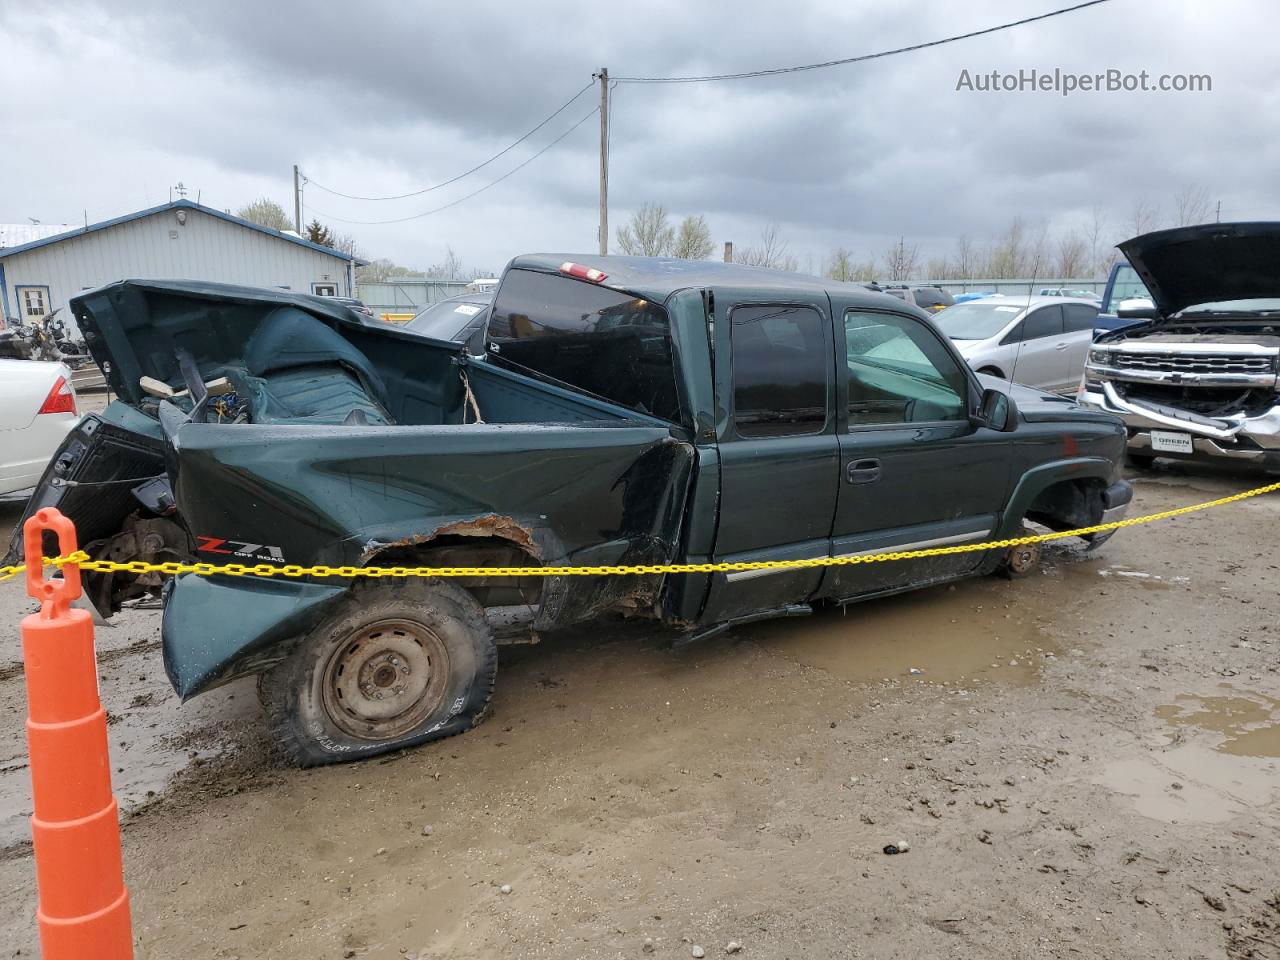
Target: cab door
pixel 1078 320
pixel 1041 360
pixel 914 471
pixel 779 454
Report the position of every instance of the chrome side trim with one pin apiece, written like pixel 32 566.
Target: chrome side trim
pixel 736 576
pixel 921 544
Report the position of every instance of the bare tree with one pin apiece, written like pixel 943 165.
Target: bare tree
pixel 1143 217
pixel 1038 249
pixel 965 259
pixel 345 243
pixel 383 269
pixel 1100 256
pixel 648 234
pixel 265 212
pixel 840 265
pixel 901 259
pixel 772 252
pixel 1011 254
pixel 693 240
pixel 1191 205
pixel 1072 256
pixel 937 268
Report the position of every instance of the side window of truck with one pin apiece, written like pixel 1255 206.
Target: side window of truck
pixel 781 357
pixel 899 372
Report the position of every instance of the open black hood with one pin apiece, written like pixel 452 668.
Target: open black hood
pixel 1186 266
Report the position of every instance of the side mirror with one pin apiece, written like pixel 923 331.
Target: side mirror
pixel 1137 309
pixel 997 411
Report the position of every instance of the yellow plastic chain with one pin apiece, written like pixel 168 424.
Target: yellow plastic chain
pixel 172 568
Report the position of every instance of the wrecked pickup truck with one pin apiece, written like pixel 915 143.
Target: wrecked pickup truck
pixel 1196 378
pixel 625 411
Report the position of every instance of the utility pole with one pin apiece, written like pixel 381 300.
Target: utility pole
pixel 604 160
pixel 297 200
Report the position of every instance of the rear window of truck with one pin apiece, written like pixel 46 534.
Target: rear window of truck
pixel 611 344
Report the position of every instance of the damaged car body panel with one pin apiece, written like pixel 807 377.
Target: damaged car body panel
pixel 627 411
pixel 1200 378
pixel 378 496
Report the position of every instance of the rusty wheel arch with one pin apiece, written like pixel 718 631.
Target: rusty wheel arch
pixel 489 540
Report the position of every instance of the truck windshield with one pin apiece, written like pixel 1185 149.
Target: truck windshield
pixel 612 344
pixel 1254 305
pixel 976 319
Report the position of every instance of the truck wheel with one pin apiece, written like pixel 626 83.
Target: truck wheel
pixel 1022 560
pixel 394 665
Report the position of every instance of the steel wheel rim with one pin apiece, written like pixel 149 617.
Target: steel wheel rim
pixel 385 679
pixel 1024 557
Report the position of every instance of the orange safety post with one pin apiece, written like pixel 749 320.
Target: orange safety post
pixel 83 904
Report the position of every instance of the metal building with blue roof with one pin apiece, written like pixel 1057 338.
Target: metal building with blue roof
pixel 181 240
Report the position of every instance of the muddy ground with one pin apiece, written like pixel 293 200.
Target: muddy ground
pixel 1086 765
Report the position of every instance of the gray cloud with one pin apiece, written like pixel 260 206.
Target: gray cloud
pixel 117 106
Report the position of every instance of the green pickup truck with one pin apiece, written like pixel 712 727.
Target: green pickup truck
pixel 624 410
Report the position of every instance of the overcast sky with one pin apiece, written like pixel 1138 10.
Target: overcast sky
pixel 106 109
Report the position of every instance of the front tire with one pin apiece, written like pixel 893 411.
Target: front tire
pixel 1022 560
pixel 395 664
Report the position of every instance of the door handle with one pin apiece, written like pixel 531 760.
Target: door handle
pixel 1061 346
pixel 863 471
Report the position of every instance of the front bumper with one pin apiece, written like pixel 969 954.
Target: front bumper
pixel 1237 438
pixel 1115 501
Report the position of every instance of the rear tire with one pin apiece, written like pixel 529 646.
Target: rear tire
pixel 395 664
pixel 993 372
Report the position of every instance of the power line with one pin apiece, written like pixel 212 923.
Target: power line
pixel 454 203
pixel 445 183
pixel 866 56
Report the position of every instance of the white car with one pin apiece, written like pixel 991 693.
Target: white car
pixel 37 410
pixel 1038 341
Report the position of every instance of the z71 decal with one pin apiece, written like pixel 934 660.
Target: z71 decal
pixel 238 548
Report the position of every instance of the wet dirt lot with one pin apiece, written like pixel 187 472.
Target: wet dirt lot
pixel 1084 763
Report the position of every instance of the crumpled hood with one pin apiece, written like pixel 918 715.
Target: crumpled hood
pixel 1187 266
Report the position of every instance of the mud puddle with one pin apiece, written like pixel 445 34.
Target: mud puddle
pixel 1221 760
pixel 1248 724
pixel 152 736
pixel 964 634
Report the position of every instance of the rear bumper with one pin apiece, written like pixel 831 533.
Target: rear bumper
pixel 216 629
pixel 1231 439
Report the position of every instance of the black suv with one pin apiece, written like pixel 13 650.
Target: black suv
pixel 931 299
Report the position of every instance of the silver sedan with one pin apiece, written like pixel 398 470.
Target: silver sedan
pixel 1039 341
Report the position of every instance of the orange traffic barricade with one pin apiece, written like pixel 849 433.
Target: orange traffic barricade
pixel 83 904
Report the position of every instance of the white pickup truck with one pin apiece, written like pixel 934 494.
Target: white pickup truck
pixel 1197 378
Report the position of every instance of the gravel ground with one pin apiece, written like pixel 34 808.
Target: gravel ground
pixel 1085 765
